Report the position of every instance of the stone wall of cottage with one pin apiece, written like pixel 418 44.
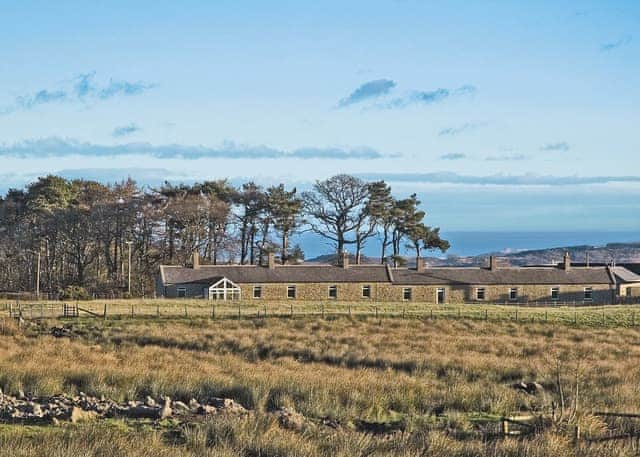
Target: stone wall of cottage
pixel 385 292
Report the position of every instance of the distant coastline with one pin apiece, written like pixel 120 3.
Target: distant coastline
pixel 479 243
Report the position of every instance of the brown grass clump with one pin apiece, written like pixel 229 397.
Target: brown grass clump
pixel 435 382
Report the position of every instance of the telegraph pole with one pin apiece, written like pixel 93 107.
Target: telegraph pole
pixel 129 269
pixel 38 278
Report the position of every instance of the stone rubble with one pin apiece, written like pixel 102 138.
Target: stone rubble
pixel 82 407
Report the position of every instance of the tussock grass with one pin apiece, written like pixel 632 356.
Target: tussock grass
pixel 350 370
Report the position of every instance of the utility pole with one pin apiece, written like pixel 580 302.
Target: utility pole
pixel 38 278
pixel 129 269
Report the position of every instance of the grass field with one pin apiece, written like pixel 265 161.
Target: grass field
pixel 435 386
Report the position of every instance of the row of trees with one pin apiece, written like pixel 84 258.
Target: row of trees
pixel 82 233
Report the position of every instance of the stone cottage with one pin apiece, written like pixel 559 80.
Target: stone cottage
pixel 382 283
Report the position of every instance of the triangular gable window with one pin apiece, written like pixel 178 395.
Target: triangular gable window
pixel 224 289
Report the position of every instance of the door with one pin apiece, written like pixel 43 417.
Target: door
pixel 440 296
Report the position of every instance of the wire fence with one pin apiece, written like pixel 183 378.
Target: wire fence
pixel 577 314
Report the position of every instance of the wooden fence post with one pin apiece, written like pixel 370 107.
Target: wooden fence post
pixel 265 311
pixel 104 312
pixel 157 310
pixel 505 426
pixel 431 314
pixel 291 305
pixel 376 309
pixel 186 312
pixel 132 311
pixel 323 310
pixel 486 315
pixel 213 310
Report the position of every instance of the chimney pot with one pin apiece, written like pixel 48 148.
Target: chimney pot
pixel 419 264
pixel 271 261
pixel 196 260
pixel 493 263
pixel 345 259
pixel 567 261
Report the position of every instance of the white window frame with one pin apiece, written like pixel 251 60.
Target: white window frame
pixel 182 290
pixel 513 293
pixel 444 295
pixel 292 287
pixel 483 291
pixel 588 290
pixel 557 290
pixel 366 287
pixel 225 290
pixel 258 289
pixel 332 288
pixel 404 293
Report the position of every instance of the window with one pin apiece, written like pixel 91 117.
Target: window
pixel 440 295
pixel 257 291
pixel 366 291
pixel 224 289
pixel 588 293
pixel 406 293
pixel 513 294
pixel 480 293
pixel 555 293
pixel 182 292
pixel 333 291
pixel 291 291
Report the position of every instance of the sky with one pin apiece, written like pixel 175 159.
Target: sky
pixel 499 115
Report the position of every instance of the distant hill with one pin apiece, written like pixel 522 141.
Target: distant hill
pixel 618 252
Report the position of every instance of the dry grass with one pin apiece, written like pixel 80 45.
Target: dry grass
pixel 347 369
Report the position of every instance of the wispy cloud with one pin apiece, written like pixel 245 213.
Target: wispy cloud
pixel 367 91
pixel 427 97
pixel 58 147
pixel 41 97
pixel 453 156
pixel 498 179
pixel 83 89
pixel 466 127
pixel 125 130
pixel 611 45
pixel 561 146
pixel 506 158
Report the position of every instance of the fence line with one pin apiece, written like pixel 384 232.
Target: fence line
pixel 600 316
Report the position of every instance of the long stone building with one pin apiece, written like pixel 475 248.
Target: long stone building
pixel 382 283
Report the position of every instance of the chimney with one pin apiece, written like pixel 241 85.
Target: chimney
pixel 419 264
pixel 271 261
pixel 344 259
pixel 196 260
pixel 566 264
pixel 358 258
pixel 493 263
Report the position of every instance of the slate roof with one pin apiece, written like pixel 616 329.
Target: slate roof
pixel 625 274
pixel 506 276
pixel 249 274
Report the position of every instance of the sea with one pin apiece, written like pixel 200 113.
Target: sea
pixel 471 243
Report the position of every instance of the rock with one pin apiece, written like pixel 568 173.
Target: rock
pixel 165 411
pixel 149 401
pixel 330 422
pixel 227 405
pixel 193 404
pixel 531 388
pixel 80 415
pixel 34 409
pixel 207 410
pixel 180 407
pixel 21 395
pixel 290 419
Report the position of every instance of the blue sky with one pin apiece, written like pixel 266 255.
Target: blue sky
pixel 500 115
